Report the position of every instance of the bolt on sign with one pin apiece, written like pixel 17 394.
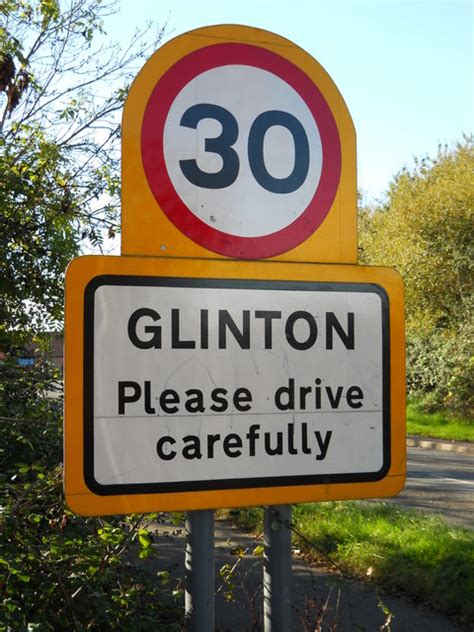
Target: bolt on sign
pixel 198 373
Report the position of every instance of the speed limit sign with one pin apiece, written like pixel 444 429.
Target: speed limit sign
pixel 236 143
pixel 217 363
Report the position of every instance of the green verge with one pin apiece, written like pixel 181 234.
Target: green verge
pixel 403 551
pixel 437 425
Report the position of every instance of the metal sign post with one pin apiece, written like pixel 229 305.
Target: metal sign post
pixel 199 563
pixel 277 575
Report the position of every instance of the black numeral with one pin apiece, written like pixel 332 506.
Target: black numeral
pixel 222 146
pixel 259 128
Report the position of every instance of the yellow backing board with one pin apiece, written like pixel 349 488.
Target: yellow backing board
pixel 146 225
pixel 87 304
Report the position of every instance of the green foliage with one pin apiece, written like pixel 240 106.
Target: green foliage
pixel 59 571
pixel 249 518
pixel 401 550
pixel 440 369
pixel 37 235
pixel 425 231
pixel 438 424
pixel 29 420
pixel 62 86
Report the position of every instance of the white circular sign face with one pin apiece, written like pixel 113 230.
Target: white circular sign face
pixel 241 150
pixel 272 126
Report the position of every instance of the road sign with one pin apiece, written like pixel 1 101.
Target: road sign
pixel 236 143
pixel 199 384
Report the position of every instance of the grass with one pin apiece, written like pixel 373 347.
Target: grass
pixel 437 425
pixel 403 551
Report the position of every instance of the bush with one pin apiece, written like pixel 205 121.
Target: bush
pixel 423 228
pixel 440 370
pixel 58 571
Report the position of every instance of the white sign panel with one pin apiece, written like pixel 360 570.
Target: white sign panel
pixel 196 384
pixel 260 175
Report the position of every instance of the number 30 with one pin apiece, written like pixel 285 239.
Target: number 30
pixel 222 145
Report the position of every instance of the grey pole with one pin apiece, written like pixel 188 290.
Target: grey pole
pixel 277 569
pixel 199 561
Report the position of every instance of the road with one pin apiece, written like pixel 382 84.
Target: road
pixel 441 483
pixel 317 594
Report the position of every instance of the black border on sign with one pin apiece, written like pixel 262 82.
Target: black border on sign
pixel 240 483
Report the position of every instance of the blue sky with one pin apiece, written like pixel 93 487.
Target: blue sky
pixel 404 68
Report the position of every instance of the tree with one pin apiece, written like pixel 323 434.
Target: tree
pixel 61 89
pixel 62 85
pixel 425 230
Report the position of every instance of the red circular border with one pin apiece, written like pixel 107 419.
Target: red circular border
pixel 157 109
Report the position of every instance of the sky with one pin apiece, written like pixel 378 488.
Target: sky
pixel 405 68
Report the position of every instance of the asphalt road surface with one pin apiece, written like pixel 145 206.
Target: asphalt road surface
pixel 441 483
pixel 317 595
pixel 438 482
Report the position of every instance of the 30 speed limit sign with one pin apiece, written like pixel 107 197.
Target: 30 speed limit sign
pixel 246 151
pixel 198 374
